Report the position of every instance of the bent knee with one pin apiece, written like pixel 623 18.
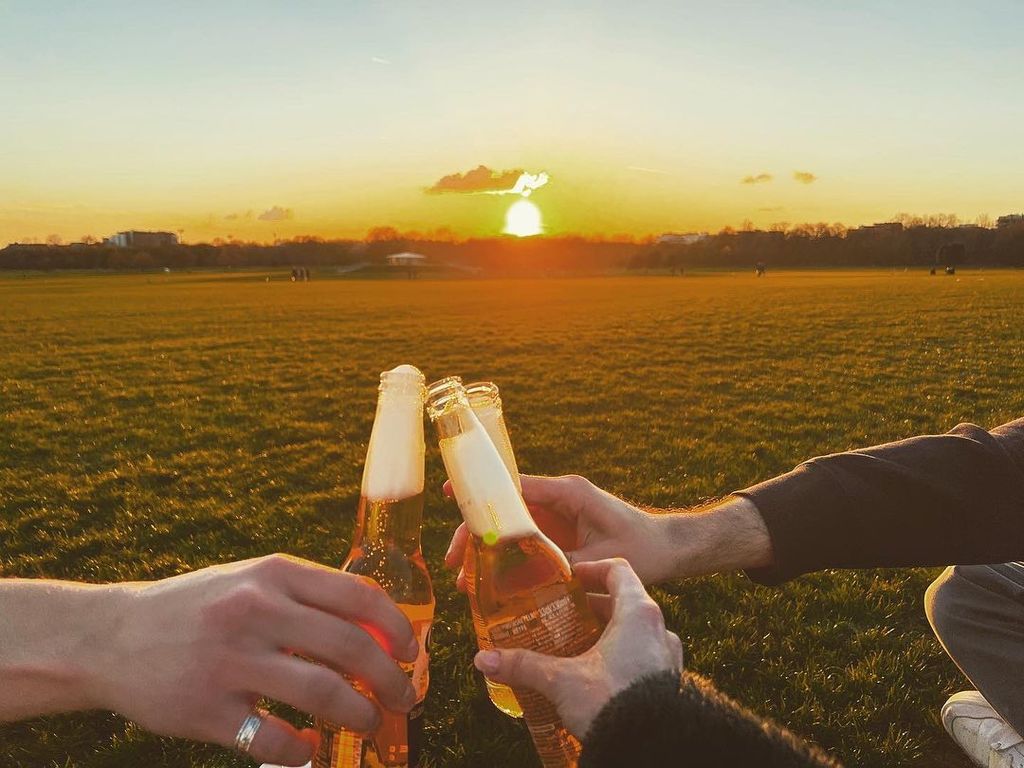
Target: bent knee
pixel 941 598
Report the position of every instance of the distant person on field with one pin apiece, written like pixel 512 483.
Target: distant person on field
pixel 930 500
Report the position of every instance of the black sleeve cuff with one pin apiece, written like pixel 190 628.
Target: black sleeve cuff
pixel 788 505
pixel 663 719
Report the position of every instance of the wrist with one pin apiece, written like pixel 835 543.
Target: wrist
pixel 99 656
pixel 725 535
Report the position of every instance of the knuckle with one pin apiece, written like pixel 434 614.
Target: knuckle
pixel 322 693
pixel 648 611
pixel 576 482
pixel 361 595
pixel 237 606
pixel 274 565
pixel 353 643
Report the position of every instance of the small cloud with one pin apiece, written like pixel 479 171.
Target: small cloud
pixel 804 177
pixel 641 169
pixel 761 178
pixel 277 213
pixel 480 179
pixel 379 60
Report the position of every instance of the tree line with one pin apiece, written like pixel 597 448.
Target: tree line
pixel 908 242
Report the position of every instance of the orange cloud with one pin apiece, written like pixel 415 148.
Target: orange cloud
pixel 761 178
pixel 480 179
pixel 804 177
pixel 277 213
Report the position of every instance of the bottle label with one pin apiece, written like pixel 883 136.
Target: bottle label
pixel 553 628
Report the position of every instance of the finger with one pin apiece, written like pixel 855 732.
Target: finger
pixel 460 581
pixel 613 576
pixel 520 668
pixel 675 645
pixel 457 549
pixel 446 489
pixel 601 605
pixel 562 495
pixel 318 691
pixel 276 741
pixel 356 599
pixel 345 647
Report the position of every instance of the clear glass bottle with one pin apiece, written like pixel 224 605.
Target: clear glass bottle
pixel 521 585
pixel 386 548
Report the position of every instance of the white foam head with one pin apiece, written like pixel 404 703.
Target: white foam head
pixel 394 458
pixel 488 499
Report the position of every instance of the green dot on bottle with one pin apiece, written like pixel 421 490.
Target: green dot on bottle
pixel 491 538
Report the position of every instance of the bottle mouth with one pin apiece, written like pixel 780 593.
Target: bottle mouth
pixel 405 379
pixel 483 393
pixel 443 394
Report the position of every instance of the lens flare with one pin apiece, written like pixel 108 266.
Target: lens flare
pixel 523 219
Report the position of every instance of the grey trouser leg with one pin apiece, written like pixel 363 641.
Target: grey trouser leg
pixel 977 612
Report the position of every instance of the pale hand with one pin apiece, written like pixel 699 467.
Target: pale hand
pixel 634 644
pixel 191 655
pixel 590 524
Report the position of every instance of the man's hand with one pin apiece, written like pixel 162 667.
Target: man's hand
pixel 635 643
pixel 590 524
pixel 191 655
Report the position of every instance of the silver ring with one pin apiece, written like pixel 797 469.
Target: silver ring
pixel 250 727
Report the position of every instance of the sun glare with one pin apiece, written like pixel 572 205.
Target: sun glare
pixel 523 219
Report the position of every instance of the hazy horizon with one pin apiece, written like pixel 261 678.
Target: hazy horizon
pixel 260 121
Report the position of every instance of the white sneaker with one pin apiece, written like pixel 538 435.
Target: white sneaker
pixel 986 738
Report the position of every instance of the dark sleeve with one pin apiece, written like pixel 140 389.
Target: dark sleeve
pixel 946 499
pixel 671 721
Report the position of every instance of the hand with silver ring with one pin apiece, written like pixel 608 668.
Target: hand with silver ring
pixel 250 726
pixel 191 655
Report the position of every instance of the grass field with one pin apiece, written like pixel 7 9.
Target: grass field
pixel 152 425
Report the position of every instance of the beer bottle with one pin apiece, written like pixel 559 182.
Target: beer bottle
pixel 520 585
pixel 386 548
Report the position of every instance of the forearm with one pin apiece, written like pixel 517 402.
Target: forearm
pixel 662 720
pixel 726 535
pixel 55 645
pixel 928 500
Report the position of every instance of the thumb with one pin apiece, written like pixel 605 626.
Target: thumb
pixel 518 668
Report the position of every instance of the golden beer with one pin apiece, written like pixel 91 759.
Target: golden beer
pixel 521 588
pixel 386 548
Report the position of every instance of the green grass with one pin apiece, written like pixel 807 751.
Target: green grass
pixel 152 425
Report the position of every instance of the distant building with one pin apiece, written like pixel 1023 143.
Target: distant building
pixel 1009 220
pixel 883 228
pixel 406 259
pixel 136 239
pixel 688 238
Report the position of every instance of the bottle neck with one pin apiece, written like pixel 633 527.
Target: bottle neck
pixel 391 524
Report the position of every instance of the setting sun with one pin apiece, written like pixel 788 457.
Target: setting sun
pixel 523 219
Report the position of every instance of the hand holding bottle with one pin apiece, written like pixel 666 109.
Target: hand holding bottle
pixel 590 524
pixel 190 655
pixel 634 644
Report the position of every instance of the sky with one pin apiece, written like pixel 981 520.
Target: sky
pixel 263 120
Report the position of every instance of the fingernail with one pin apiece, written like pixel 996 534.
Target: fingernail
pixel 409 700
pixel 487 661
pixel 413 650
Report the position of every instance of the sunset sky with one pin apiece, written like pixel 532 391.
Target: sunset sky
pixel 259 119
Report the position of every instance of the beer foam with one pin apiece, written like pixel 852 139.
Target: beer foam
pixel 394 458
pixel 488 499
pixel 494 423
